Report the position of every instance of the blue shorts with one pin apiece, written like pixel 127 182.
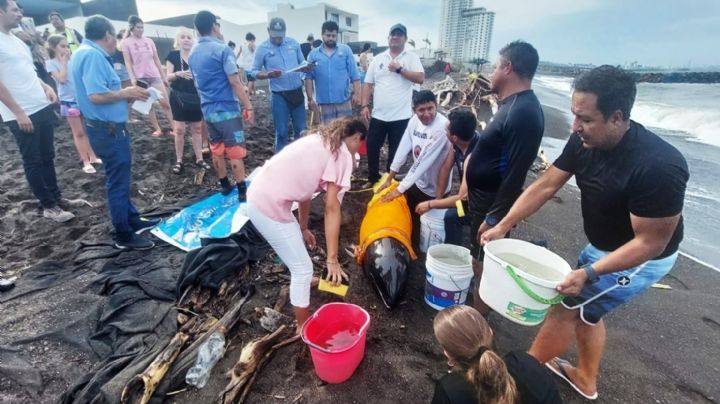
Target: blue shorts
pixel 612 290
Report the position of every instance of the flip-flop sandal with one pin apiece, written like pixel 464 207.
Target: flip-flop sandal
pixel 177 168
pixel 560 372
pixel 157 133
pixel 202 164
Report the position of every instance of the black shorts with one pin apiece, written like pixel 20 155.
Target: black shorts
pixel 183 112
pixel 479 203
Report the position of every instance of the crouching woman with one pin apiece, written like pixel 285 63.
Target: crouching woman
pixel 479 374
pixel 321 161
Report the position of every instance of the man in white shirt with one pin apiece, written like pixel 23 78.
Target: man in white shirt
pixel 425 138
pixel 25 108
pixel 390 78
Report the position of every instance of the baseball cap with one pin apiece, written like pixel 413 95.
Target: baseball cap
pixel 204 20
pixel 398 27
pixel 276 27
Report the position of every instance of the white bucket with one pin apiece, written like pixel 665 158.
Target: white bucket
pixel 432 228
pixel 522 295
pixel 448 276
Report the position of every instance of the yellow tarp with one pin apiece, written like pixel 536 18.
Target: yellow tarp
pixel 389 219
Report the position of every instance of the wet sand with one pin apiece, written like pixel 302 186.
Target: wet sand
pixel 661 347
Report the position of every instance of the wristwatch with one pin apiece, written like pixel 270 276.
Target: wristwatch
pixel 591 274
pixel 398 70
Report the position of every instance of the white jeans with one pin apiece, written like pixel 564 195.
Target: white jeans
pixel 287 241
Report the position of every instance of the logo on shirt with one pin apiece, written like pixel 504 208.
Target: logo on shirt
pixel 420 135
pixel 623 280
pixel 417 150
pixel 381 66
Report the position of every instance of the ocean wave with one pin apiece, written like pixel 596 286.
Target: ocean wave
pixel 562 85
pixel 701 123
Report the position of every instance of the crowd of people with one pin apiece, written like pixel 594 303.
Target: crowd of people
pixel 632 183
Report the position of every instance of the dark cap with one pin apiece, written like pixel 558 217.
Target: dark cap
pixel 276 27
pixel 204 20
pixel 399 27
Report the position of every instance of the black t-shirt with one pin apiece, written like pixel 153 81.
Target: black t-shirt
pixel 180 84
pixel 534 383
pixel 118 57
pixel 460 157
pixel 506 150
pixel 305 48
pixel 643 175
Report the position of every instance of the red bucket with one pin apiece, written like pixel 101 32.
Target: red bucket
pixel 362 150
pixel 336 337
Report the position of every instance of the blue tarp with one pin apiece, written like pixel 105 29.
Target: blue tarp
pixel 217 216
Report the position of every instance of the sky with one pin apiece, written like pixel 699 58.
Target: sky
pixel 659 33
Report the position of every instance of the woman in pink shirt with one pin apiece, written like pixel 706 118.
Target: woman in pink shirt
pixel 321 161
pixel 143 64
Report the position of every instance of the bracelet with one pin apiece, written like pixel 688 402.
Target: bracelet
pixel 364 106
pixel 332 262
pixel 429 205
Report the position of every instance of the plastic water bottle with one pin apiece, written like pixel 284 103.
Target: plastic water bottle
pixel 209 353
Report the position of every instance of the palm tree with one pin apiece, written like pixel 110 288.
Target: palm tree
pixel 479 62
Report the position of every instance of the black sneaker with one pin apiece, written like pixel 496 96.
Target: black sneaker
pixel 134 242
pixel 143 225
pixel 225 187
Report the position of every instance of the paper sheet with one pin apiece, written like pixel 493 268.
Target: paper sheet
pixel 143 107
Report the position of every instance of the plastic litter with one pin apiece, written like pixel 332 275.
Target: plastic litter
pixel 209 353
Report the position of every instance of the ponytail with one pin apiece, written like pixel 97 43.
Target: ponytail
pixel 491 379
pixel 466 337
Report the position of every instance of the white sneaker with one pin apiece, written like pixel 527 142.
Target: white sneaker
pixel 89 169
pixel 57 214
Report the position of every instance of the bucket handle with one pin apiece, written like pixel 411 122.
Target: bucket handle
pixel 557 299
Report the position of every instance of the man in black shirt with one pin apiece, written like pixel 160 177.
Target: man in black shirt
pixel 497 167
pixel 307 46
pixel 632 185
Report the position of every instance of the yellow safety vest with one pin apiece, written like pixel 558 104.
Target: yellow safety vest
pixel 71 39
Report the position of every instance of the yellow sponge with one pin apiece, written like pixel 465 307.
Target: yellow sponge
pixel 340 290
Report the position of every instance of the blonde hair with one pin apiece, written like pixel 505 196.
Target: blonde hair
pixel 338 130
pixel 179 33
pixel 467 338
pixel 52 42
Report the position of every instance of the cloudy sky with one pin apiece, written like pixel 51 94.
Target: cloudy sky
pixel 650 32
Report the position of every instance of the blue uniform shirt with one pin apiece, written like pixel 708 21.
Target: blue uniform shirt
pixel 279 57
pixel 211 62
pixel 332 74
pixel 92 73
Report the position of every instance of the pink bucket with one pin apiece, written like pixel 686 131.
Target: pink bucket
pixel 336 337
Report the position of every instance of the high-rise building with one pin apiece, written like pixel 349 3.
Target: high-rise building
pixel 465 31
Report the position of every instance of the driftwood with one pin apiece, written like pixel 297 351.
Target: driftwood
pixel 474 93
pixel 252 358
pixel 140 388
pixel 282 299
pixel 186 359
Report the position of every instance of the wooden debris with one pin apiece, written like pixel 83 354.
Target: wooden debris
pixel 140 388
pixel 252 358
pixel 282 298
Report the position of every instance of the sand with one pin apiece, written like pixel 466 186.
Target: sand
pixel 661 348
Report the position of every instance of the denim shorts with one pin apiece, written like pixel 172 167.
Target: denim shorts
pixel 69 109
pixel 615 289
